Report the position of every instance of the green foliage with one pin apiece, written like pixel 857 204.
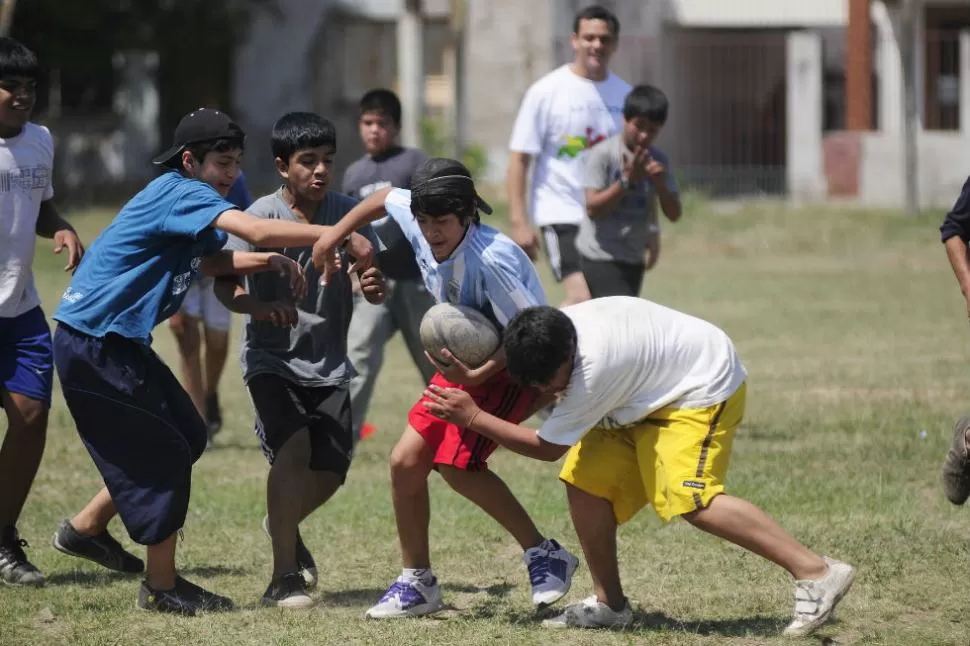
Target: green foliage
pixel 438 141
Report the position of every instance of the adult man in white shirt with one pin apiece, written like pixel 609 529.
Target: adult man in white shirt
pixel 562 115
pixel 648 401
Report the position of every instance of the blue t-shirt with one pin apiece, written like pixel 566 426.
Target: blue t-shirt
pixel 137 271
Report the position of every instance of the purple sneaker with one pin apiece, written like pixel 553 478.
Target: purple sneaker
pixel 408 599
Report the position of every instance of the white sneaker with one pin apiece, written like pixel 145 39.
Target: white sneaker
pixel 408 599
pixel 551 569
pixel 815 600
pixel 590 613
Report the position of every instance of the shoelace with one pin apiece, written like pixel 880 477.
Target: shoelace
pixel 397 589
pixel 539 570
pixel 16 549
pixel 806 603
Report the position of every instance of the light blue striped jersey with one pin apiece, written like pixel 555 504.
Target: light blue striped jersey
pixel 487 270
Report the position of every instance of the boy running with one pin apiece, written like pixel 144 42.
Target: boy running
pixel 466 263
pixel 648 402
pixel 26 363
pixel 136 421
pixel 294 354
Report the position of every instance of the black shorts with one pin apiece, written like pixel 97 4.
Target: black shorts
pixel 613 278
pixel 138 424
pixel 283 408
pixel 560 242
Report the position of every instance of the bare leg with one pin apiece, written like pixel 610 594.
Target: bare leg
pixel 216 351
pixel 285 491
pixel 160 564
pixel 94 518
pixel 576 289
pixel 186 331
pixel 21 453
pixel 411 462
pixel 595 526
pixel 492 495
pixel 743 524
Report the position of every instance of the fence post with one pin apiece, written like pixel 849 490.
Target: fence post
pixel 964 72
pixel 806 177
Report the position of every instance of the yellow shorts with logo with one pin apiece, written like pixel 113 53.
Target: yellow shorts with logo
pixel 675 459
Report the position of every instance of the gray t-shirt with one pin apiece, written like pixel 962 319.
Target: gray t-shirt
pixel 621 235
pixel 368 175
pixel 314 353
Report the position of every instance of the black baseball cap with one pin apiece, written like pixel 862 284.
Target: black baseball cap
pixel 204 124
pixel 442 176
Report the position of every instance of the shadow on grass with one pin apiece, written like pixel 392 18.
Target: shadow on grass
pixel 644 622
pixel 497 590
pixel 741 627
pixel 363 597
pixel 90 578
pixel 213 570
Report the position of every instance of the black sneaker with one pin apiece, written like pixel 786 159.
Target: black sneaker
pixel 15 569
pixel 288 592
pixel 304 560
pixel 213 414
pixel 103 549
pixel 184 599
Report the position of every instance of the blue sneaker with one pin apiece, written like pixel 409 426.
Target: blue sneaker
pixel 408 599
pixel 551 569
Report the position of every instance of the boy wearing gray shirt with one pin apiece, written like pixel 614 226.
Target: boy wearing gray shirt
pixel 625 175
pixel 294 353
pixel 385 164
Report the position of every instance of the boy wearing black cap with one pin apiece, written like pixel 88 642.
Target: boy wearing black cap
pixel 136 421
pixel 466 263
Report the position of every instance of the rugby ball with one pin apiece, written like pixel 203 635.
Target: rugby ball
pixel 462 330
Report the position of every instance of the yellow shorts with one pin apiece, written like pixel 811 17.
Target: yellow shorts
pixel 675 459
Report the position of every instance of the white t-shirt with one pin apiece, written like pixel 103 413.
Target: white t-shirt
pixel 635 357
pixel 561 116
pixel 26 163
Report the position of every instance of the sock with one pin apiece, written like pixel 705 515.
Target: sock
pixel 424 575
pixel 550 545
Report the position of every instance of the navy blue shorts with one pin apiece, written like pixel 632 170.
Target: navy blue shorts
pixel 138 424
pixel 26 358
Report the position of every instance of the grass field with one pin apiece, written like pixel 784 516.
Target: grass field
pixel 856 341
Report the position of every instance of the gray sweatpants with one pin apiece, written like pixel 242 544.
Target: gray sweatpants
pixel 373 326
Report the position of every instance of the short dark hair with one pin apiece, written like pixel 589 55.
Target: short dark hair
pixel 537 342
pixel 597 12
pixel 201 149
pixel 17 60
pixel 384 101
pixel 438 188
pixel 296 131
pixel 646 101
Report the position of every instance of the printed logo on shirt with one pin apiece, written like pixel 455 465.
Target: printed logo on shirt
pixel 694 484
pixel 72 296
pixel 370 189
pixel 26 178
pixel 182 281
pixel 576 145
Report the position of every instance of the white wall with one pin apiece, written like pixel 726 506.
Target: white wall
pixel 944 163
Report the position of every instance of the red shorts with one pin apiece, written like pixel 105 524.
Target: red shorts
pixel 463 449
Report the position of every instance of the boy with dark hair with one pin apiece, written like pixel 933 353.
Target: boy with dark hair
pixel 136 421
pixel 562 115
pixel 385 164
pixel 202 371
pixel 466 263
pixel 26 365
pixel 295 364
pixel 625 175
pixel 648 401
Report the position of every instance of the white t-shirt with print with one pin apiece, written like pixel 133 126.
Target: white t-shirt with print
pixel 561 116
pixel 635 357
pixel 26 163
